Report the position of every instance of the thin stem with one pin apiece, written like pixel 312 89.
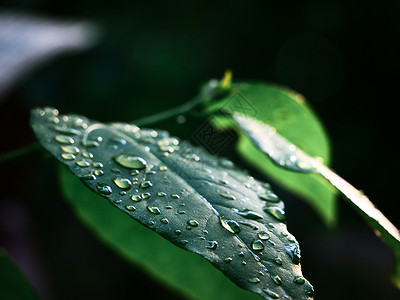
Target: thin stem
pixel 18 154
pixel 170 113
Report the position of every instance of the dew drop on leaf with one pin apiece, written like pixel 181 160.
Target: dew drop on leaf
pixel 104 189
pixel 123 183
pixel 130 207
pixel 68 156
pixel 193 223
pixel 277 280
pixel 212 245
pixel 136 198
pixel 257 245
pixel 154 210
pixel 82 163
pixel 131 161
pixel 146 195
pixel 146 184
pixel 264 235
pixel 254 280
pixel 70 149
pixel 276 212
pixel 271 294
pixel 299 280
pixel 64 139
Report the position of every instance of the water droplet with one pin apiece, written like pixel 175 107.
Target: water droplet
pixel 193 223
pixel 227 196
pixel 89 177
pixel 212 245
pixel 154 210
pixel 97 165
pixel 130 207
pixel 263 235
pixel 70 149
pixel 161 194
pixel 278 261
pixel 82 163
pixel 241 254
pixel 299 280
pixel 87 154
pixel 230 225
pixel 271 294
pixel 68 156
pixel 123 183
pixel 226 163
pixel 257 245
pixel 164 221
pixel 175 196
pixel 277 280
pixel 254 280
pixel 90 144
pixel 178 232
pixel 243 263
pixel 184 242
pixel 294 253
pixel 104 189
pixel 270 197
pixel 131 161
pixel 276 212
pixel 309 289
pixel 122 193
pixel 64 139
pixel 136 198
pixel 228 260
pixel 98 172
pixel 146 184
pixel 146 195
pixel 193 157
pixel 252 215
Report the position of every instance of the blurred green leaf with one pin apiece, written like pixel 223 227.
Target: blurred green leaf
pixel 198 202
pixel 292 117
pixel 13 284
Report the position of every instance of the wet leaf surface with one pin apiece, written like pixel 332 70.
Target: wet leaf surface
pixel 199 202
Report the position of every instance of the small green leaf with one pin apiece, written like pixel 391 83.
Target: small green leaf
pixel 288 112
pixel 13 284
pixel 198 202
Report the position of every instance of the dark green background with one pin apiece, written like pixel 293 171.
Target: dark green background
pixel 342 55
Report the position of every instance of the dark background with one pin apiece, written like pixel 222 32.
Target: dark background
pixel 342 55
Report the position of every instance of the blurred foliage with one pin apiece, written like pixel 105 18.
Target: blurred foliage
pixel 341 55
pixel 13 284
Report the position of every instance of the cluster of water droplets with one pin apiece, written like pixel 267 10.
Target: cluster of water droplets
pixel 137 192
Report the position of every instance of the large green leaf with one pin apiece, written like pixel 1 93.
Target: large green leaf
pixel 196 201
pixel 13 284
pixel 289 113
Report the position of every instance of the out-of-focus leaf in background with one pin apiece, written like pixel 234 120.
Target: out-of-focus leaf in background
pixel 27 41
pixel 13 284
pixel 290 114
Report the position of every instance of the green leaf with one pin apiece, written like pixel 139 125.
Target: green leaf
pixel 198 202
pixel 13 284
pixel 286 155
pixel 289 113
